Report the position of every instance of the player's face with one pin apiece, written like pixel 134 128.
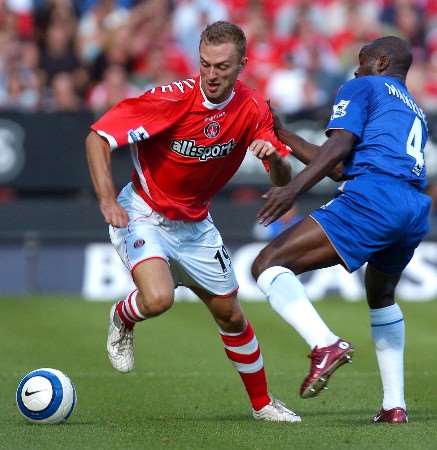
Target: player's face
pixel 368 63
pixel 219 69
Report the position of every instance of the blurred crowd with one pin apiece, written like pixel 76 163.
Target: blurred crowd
pixel 70 55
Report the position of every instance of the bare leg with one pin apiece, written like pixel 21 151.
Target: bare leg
pixel 153 296
pixel 242 349
pixel 155 285
pixel 380 287
pixel 301 248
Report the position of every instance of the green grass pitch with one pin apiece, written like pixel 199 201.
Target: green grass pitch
pixel 184 394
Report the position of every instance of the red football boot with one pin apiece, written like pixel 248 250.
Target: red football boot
pixel 394 415
pixel 324 362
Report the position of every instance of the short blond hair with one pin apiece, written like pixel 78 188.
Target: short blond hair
pixel 222 32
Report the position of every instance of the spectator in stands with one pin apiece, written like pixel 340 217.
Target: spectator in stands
pixel 290 90
pixel 190 17
pixel 20 81
pixel 162 65
pixel 114 87
pixel 22 13
pixel 115 50
pixel 156 40
pixel 57 53
pixel 62 95
pixel 290 13
pixel 409 21
pixel 264 53
pixel 85 5
pixel 429 87
pixel 149 24
pixel 17 96
pixel 102 18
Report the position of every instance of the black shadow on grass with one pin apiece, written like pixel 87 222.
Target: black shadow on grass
pixel 60 426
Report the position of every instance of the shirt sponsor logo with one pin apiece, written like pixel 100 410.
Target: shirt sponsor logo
pixel 189 149
pixel 339 110
pixel 212 129
pixel 137 135
pixel 215 116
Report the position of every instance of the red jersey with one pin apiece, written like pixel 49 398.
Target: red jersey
pixel 185 148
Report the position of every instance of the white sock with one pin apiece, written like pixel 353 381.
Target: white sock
pixel 287 297
pixel 388 333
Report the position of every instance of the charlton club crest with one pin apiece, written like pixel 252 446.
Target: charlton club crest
pixel 139 243
pixel 212 129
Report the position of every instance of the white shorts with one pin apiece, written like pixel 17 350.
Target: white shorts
pixel 194 250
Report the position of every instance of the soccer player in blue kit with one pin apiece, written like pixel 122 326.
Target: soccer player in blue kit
pixel 376 137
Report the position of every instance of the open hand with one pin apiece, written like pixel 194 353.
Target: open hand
pixel 278 201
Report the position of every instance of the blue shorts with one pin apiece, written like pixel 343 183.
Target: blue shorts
pixel 377 219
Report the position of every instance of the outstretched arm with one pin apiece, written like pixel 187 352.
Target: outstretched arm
pixel 303 150
pixel 279 200
pixel 99 164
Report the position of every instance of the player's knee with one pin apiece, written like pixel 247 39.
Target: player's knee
pixel 157 302
pixel 381 300
pixel 231 321
pixel 263 261
pixel 228 315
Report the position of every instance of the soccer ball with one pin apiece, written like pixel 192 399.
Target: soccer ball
pixel 46 396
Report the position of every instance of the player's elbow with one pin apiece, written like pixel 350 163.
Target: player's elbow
pixel 333 155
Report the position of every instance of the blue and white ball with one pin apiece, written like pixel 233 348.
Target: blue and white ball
pixel 46 396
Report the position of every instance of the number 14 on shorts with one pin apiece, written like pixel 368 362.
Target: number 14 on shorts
pixel 222 256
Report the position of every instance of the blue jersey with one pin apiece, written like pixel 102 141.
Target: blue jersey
pixel 391 129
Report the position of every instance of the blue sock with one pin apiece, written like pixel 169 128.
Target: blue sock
pixel 388 333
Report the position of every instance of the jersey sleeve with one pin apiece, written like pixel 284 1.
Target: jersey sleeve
pixel 351 108
pixel 264 129
pixel 137 119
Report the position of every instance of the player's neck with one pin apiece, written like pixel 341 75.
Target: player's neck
pixel 398 76
pixel 211 104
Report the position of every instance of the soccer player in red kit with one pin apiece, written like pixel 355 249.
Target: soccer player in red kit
pixel 187 140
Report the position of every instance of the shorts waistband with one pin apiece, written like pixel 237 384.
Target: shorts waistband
pixel 170 223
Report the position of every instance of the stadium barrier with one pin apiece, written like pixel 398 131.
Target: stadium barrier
pixel 95 271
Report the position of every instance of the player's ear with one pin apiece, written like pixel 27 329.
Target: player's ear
pixel 243 62
pixel 383 63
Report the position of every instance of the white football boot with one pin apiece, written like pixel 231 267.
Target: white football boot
pixel 120 344
pixel 276 411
